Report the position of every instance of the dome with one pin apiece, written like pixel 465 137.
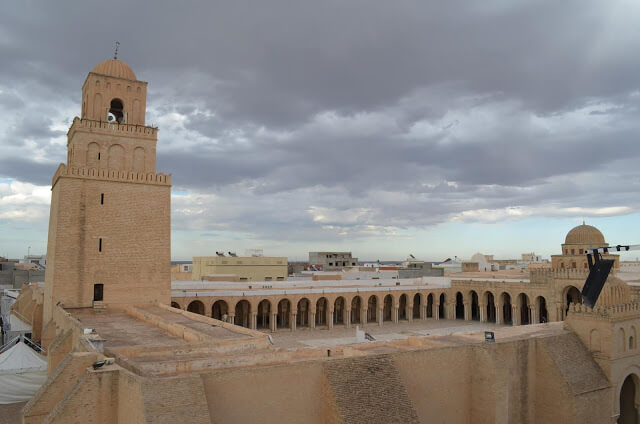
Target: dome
pixel 115 68
pixel 584 234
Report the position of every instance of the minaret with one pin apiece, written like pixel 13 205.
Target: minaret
pixel 109 226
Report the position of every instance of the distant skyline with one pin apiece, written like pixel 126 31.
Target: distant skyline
pixel 381 128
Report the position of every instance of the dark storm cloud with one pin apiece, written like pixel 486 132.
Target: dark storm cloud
pixel 298 114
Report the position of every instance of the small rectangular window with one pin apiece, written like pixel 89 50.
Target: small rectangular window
pixel 102 198
pixel 267 278
pixel 99 245
pixel 98 156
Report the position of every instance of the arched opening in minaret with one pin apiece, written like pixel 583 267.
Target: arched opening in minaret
pixel 116 109
pixel 628 401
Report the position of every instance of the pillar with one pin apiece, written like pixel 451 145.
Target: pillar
pixel 254 321
pixel 515 315
pixel 499 314
pixel 436 311
pixel 232 319
pixel 467 311
pixel 274 322
pixel 409 312
pixel 363 316
pixel 394 314
pixel 533 319
pixel 423 311
pixel 347 321
pixel 293 321
pixel 312 324
pixel 483 312
pixel 330 318
pixel 380 316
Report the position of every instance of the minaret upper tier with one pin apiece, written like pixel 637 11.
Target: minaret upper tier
pixel 111 134
pixel 112 87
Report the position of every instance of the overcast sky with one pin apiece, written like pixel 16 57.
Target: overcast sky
pixel 436 128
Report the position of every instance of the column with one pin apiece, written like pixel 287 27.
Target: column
pixel 232 319
pixel 467 311
pixel 483 312
pixel 394 314
pixel 409 313
pixel 515 315
pixel 274 322
pixel 254 320
pixel 312 322
pixel 293 321
pixel 499 317
pixel 436 310
pixel 423 311
pixel 533 319
pixel 330 318
pixel 380 316
pixel 363 316
pixel 347 322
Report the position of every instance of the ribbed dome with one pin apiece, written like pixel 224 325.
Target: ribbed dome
pixel 115 68
pixel 584 234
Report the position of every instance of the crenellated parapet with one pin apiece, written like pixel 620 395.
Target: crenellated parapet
pixel 548 276
pixel 111 175
pixel 114 128
pixel 612 313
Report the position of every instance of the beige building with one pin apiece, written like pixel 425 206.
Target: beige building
pixel 575 246
pixel 129 357
pixel 238 268
pixel 332 261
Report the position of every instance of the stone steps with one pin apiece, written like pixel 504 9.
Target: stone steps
pixel 369 390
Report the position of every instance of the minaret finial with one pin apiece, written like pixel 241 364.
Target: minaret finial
pixel 115 55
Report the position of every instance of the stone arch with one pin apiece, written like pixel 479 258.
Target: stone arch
pixel 196 307
pixel 523 302
pixel 339 310
pixel 402 307
pixel 264 314
pixel 220 310
pixel 242 313
pixel 138 159
pixel 594 341
pixel 98 112
pixel 417 303
pixel 541 309
pixel 507 317
pixel 175 305
pixel 628 398
pixel 116 107
pixel 570 295
pixel 442 308
pixel 322 309
pixel 430 305
pixel 303 311
pixel 93 150
pixel 284 309
pixel 116 157
pixel 387 308
pixel 356 309
pixel 459 306
pixel 475 306
pixel 490 301
pixel 372 308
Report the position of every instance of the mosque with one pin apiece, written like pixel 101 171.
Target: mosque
pixel 124 345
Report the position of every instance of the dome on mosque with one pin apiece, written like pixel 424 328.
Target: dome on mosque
pixel 115 68
pixel 584 234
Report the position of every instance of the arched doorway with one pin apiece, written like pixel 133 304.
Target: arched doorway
pixel 402 307
pixel 523 301
pixel 491 307
pixel 506 309
pixel 219 310
pixel 459 306
pixel 302 314
pixel 322 306
pixel 416 306
pixel 284 308
pixel 338 311
pixel 475 307
pixel 543 315
pixel 441 306
pixel 628 394
pixel 264 314
pixel 243 313
pixel 372 308
pixel 175 305
pixel 430 305
pixel 196 307
pixel 572 295
pixel 356 310
pixel 387 308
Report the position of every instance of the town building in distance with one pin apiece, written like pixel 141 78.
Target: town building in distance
pixel 332 261
pixel 239 268
pixel 124 344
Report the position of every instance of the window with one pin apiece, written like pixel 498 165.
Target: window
pixel 280 278
pixel 98 156
pixel 580 251
pixel 102 198
pixel 98 292
pixel 243 278
pixel 573 251
pixel 99 245
pixel 117 110
pixel 268 278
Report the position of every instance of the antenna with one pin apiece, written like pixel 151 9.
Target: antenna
pixel 115 55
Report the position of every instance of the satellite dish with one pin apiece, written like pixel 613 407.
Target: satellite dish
pixel 111 117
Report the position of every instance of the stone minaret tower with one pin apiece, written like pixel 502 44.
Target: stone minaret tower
pixel 109 226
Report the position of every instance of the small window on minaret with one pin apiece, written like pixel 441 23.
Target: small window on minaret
pixel 102 198
pixel 117 110
pixel 100 245
pixel 98 156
